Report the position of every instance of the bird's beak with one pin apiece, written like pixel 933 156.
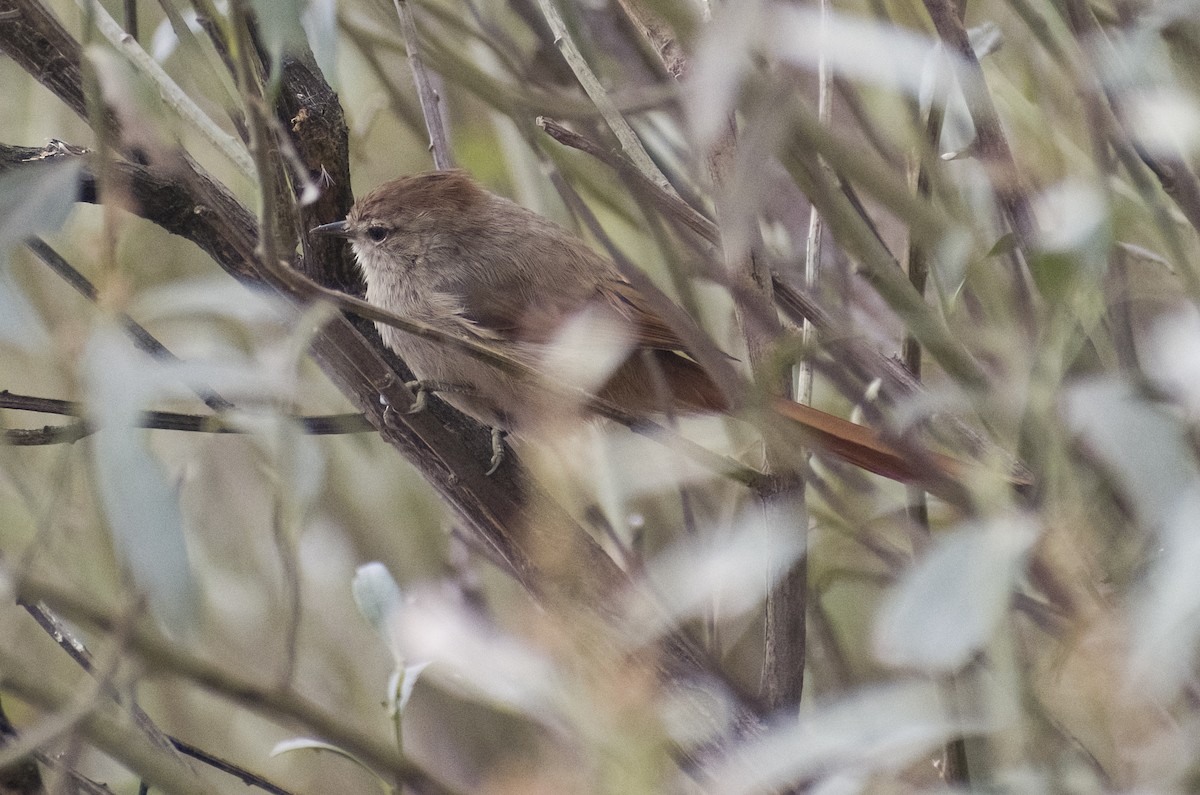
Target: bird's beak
pixel 335 229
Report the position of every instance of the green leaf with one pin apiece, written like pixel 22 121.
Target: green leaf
pixel 306 744
pixel 1142 443
pixel 839 744
pixel 380 600
pixel 947 608
pixel 735 570
pixel 1074 240
pixel 401 684
pixel 36 198
pixel 1166 611
pixel 139 502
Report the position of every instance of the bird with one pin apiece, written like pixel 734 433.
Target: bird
pixel 440 249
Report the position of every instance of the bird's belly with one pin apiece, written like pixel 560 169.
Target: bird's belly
pixel 484 391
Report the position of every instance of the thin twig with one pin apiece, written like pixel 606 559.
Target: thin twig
pixel 816 227
pixel 66 638
pixel 260 137
pixel 991 146
pixel 131 18
pixel 928 221
pixel 323 425
pixel 630 143
pixel 667 201
pixel 164 655
pixel 882 272
pixel 658 36
pixel 513 100
pixel 174 97
pixel 143 338
pixel 439 141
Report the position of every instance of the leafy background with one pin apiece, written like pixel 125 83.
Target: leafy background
pixel 1031 638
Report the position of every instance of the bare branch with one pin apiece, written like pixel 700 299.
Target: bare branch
pixel 326 425
pixel 667 202
pixel 431 102
pixel 127 744
pixel 599 95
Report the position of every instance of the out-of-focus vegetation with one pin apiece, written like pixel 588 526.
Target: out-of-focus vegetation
pixel 987 212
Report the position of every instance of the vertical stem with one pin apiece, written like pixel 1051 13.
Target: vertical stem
pixel 816 227
pixel 131 18
pixel 439 141
pixel 259 134
pixel 782 676
pixel 954 753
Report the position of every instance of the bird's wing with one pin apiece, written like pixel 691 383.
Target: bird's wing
pixel 650 331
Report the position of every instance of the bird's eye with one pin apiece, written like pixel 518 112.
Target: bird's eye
pixel 377 232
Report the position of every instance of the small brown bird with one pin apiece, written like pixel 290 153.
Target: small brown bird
pixel 439 249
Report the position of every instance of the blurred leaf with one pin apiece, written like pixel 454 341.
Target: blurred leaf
pixel 320 23
pixel 220 298
pixel 400 686
pixel 297 458
pixel 302 461
pixel 1139 441
pixel 1005 245
pixel 305 744
pixel 877 728
pixel 139 502
pixel 1074 239
pixel 279 26
pixel 849 46
pixel 939 88
pixel 137 102
pixel 380 601
pixel 722 58
pixel 733 569
pixel 1146 445
pixel 946 609
pixel 699 716
pixel 37 198
pixel 588 349
pixel 951 262
pixel 165 40
pixel 1165 121
pixel 985 39
pixel 476 660
pixel 1166 612
pixel 1055 276
pixel 20 324
pixel 1171 358
pixel 857 48
pixel 853 47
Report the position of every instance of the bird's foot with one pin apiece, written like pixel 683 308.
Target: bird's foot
pixel 422 390
pixel 498 435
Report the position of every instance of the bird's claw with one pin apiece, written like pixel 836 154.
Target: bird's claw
pixel 497 451
pixel 389 414
pixel 422 389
